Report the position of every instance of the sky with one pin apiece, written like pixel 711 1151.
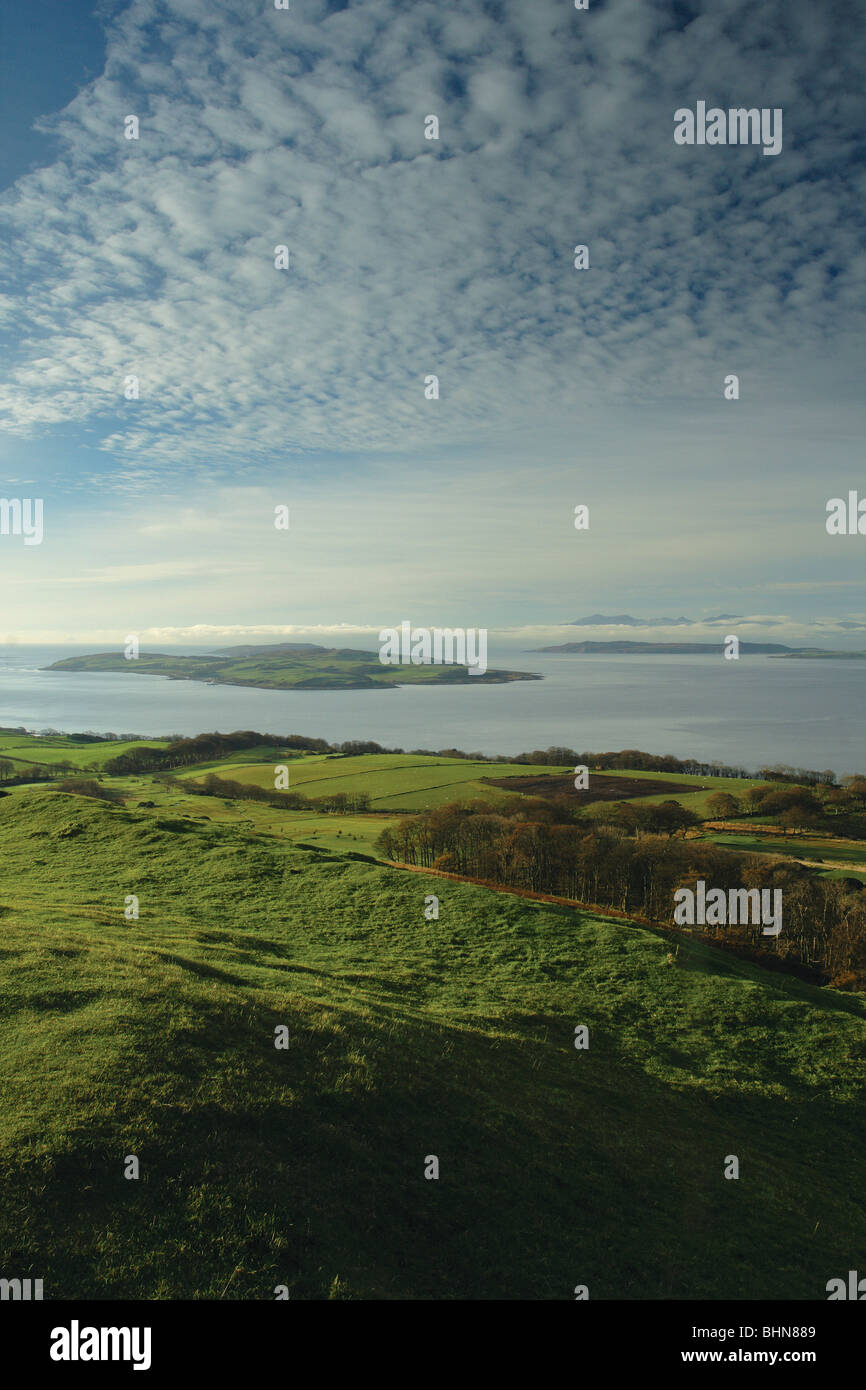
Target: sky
pixel 304 387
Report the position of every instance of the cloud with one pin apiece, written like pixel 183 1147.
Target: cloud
pixel 155 257
pixel 833 633
pixel 156 572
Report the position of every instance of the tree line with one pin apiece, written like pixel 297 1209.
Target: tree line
pixel 515 846
pixel 333 803
pixel 205 748
pixel 821 806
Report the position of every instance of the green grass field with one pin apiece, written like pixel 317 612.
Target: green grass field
pixel 414 782
pixel 805 847
pixel 395 781
pixel 800 846
pixel 27 751
pixel 408 1038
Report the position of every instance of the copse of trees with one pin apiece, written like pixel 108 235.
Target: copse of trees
pixel 635 759
pixel 627 759
pixel 781 772
pixel 824 929
pixel 793 806
pixel 354 748
pixel 723 805
pixel 205 748
pixel 660 818
pixel 32 772
pixel 601 864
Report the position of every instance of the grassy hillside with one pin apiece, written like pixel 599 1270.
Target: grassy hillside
pixel 347 832
pixel 408 1038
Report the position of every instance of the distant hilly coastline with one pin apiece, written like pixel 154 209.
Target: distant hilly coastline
pixel 286 666
pixel 777 649
pixel 617 645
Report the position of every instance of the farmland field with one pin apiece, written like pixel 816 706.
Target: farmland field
pixel 395 782
pixel 800 846
pixel 809 849
pixel 413 782
pixel 26 750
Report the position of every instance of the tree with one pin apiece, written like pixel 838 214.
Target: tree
pixel 669 817
pixel 799 817
pixel 753 797
pixel 722 805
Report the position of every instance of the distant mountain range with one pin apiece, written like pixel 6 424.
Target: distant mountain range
pixel 626 620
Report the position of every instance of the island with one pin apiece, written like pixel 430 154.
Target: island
pixel 286 666
pixel 689 649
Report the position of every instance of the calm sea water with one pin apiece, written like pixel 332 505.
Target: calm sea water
pixel 755 711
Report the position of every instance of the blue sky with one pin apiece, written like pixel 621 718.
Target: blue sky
pixel 305 387
pixel 47 52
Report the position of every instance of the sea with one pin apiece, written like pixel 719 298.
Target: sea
pixel 750 713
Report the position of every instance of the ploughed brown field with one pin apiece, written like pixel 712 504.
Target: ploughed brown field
pixel 607 788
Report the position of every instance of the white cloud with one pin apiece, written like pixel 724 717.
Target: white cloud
pixel 156 256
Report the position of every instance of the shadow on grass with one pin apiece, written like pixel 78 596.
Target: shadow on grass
pixel 306 1166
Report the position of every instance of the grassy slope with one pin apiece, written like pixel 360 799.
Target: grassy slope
pixel 328 831
pixel 408 1038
